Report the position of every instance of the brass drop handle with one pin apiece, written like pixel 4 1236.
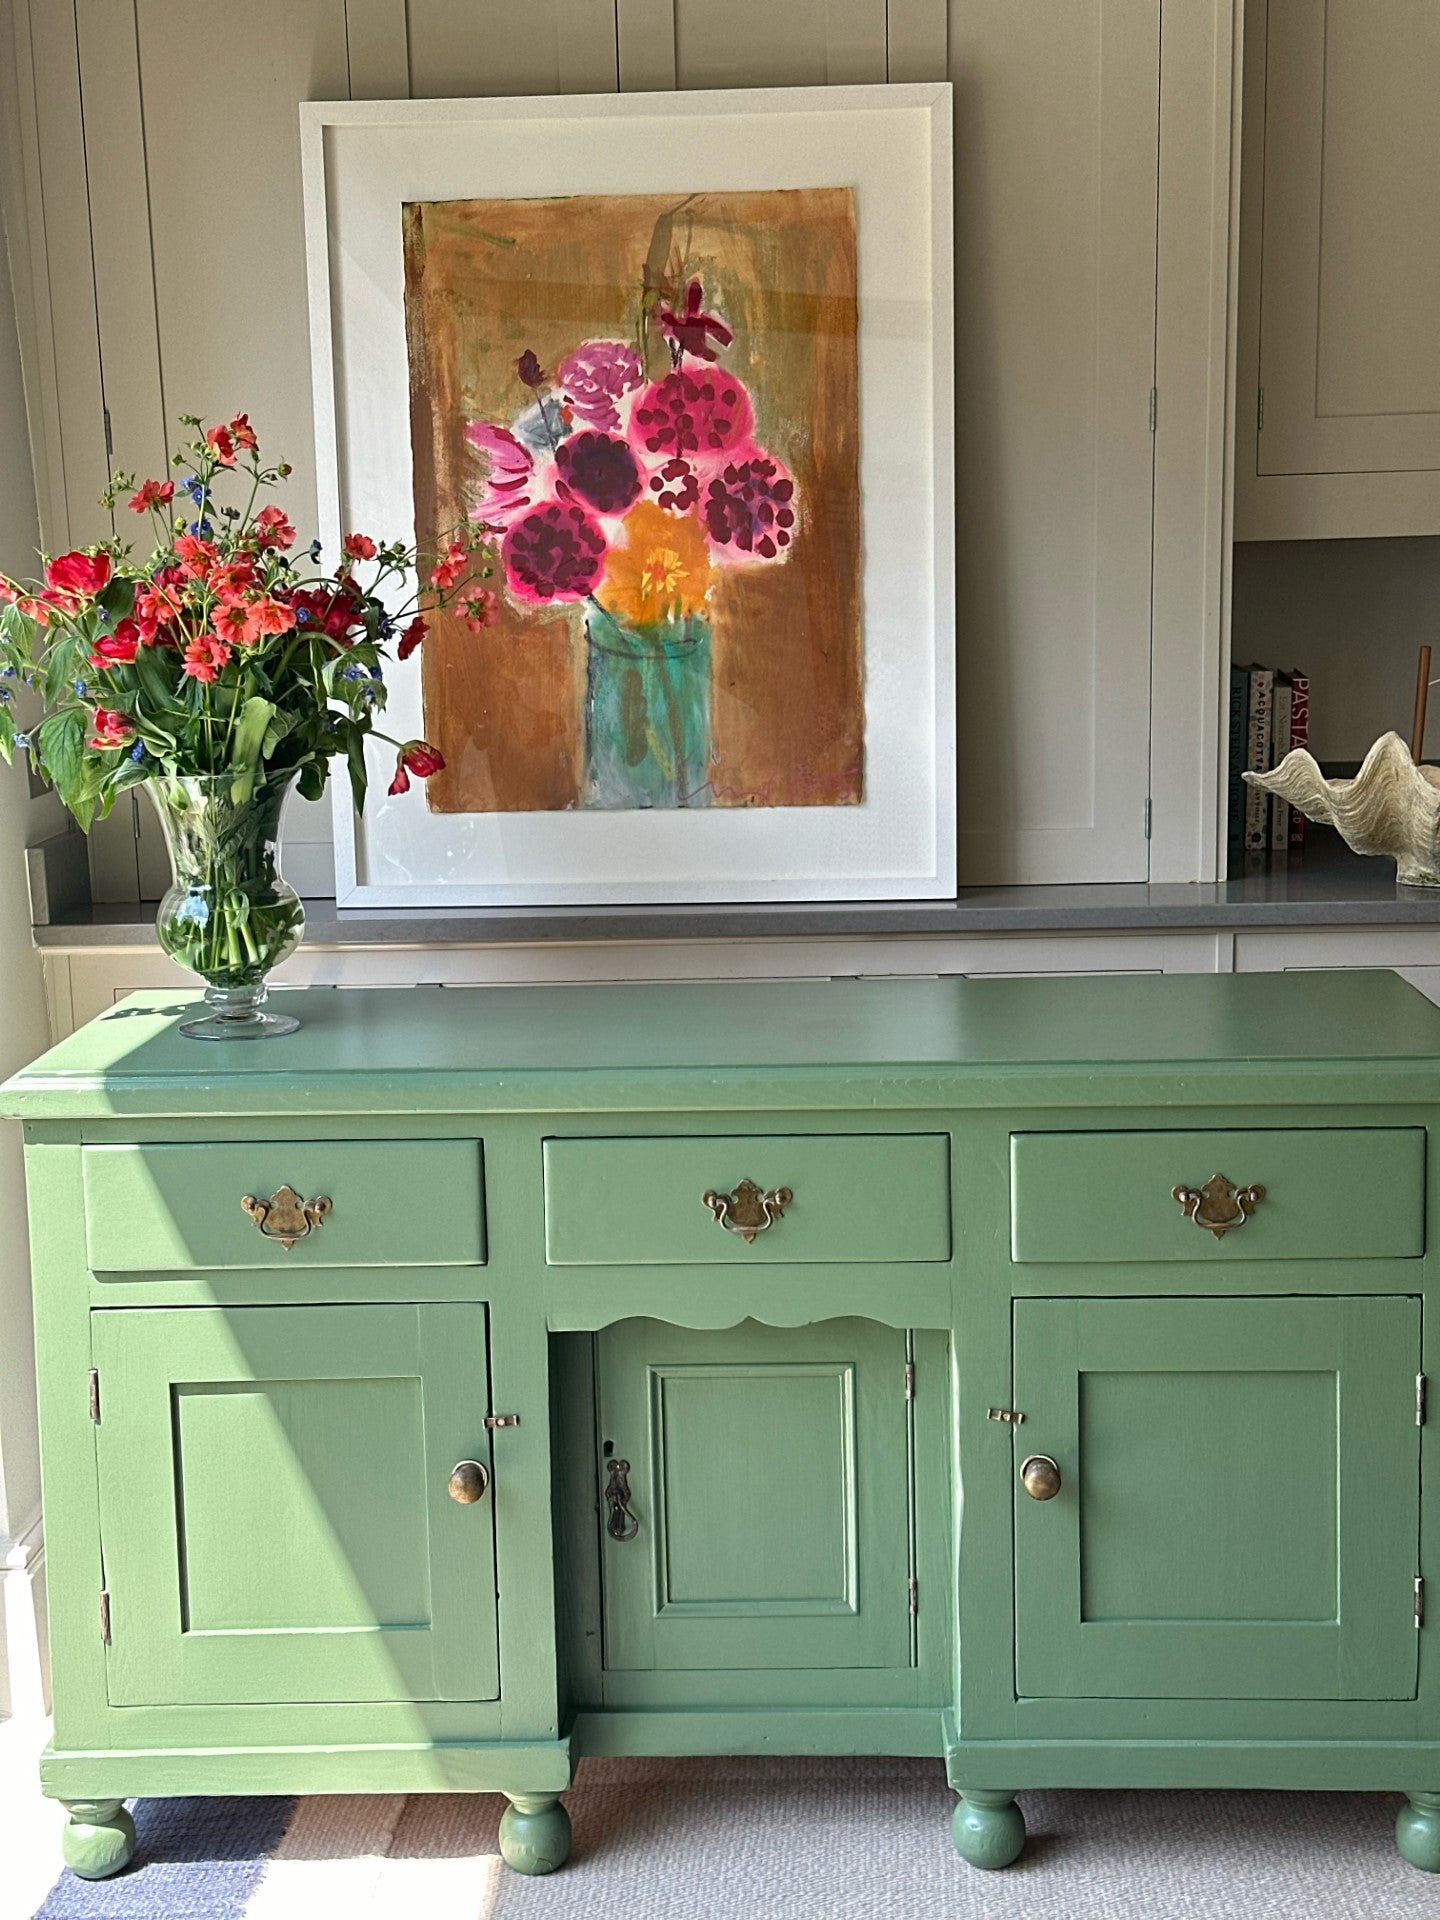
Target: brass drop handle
pixel 1219 1205
pixel 620 1523
pixel 748 1211
pixel 285 1216
pixel 1040 1476
pixel 469 1482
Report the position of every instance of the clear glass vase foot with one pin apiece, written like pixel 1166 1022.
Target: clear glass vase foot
pixel 236 1013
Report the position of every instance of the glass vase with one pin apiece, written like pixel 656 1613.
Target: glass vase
pixel 228 915
pixel 647 712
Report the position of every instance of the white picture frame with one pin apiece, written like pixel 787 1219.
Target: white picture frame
pixel 891 145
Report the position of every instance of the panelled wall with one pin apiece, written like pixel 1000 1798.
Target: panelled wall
pixel 156 231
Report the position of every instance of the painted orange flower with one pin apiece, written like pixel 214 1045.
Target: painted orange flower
pixel 662 572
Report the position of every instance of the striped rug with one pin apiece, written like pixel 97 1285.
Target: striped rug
pixel 752 1839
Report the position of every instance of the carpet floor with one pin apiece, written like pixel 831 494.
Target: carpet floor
pixel 748 1839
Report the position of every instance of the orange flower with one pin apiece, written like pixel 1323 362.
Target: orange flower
pixel 232 622
pixel 271 616
pixel 661 572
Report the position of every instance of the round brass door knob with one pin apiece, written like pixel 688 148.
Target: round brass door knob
pixel 1040 1476
pixel 469 1482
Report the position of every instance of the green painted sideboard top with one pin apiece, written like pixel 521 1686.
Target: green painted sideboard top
pixel 922 1043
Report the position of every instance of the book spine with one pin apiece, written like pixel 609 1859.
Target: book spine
pixel 1257 757
pixel 1239 720
pixel 1299 737
pixel 1279 747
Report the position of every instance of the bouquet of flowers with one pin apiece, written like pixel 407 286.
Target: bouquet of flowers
pixel 219 672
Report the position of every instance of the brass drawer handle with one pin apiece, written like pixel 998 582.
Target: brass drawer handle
pixel 747 1211
pixel 1219 1205
pixel 1040 1476
pixel 285 1216
pixel 468 1482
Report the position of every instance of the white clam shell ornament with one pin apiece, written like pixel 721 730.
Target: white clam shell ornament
pixel 1391 807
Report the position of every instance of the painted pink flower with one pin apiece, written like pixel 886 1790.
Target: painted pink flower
pixel 698 415
pixel 595 377
pixel 692 329
pixel 555 553
pixel 676 486
pixel 599 470
pixel 749 506
pixel 510 475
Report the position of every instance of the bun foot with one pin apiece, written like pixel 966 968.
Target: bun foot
pixel 99 1839
pixel 534 1833
pixel 1417 1831
pixel 989 1828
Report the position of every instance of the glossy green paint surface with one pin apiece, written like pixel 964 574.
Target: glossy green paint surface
pixel 393 1203
pixel 1239 1507
pixel 869 1197
pixel 1331 1193
pixel 273 1507
pixel 298 1606
pixel 769 1479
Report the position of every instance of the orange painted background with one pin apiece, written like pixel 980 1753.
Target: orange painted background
pixel 487 280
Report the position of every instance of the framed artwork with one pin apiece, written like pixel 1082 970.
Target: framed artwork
pixel 686 360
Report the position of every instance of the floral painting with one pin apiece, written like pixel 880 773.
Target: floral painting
pixel 649 406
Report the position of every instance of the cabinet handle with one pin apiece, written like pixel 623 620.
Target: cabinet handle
pixel 1040 1476
pixel 747 1211
pixel 1219 1205
pixel 469 1482
pixel 620 1522
pixel 285 1216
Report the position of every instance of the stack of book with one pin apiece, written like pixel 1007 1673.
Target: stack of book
pixel 1269 715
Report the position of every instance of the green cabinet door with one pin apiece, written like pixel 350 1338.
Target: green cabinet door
pixel 1238 1516
pixel 274 1512
pixel 769 1477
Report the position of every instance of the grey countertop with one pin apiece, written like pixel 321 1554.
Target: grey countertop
pixel 1326 886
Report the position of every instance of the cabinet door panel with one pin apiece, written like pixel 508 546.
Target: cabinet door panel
pixel 274 1510
pixel 1239 1508
pixel 769 1476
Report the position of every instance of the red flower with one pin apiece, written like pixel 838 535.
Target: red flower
pixel 196 556
pixel 530 370
pixel 232 623
pixel 117 649
pixel 157 606
pixel 417 757
pixel 269 616
pixel 111 729
pixel 479 610
pixel 205 656
pixel 411 638
pixel 242 433
pixel 152 493
pixel 221 443
pixel 334 610
pixel 689 330
pixel 449 567
pixel 82 574
pixel 33 609
pixel 359 546
pixel 232 578
pixel 272 529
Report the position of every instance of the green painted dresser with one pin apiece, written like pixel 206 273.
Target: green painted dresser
pixel 1025 1373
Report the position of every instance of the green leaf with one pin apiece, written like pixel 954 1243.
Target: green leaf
pixel 246 747
pixel 62 753
pixel 355 755
pixel 312 780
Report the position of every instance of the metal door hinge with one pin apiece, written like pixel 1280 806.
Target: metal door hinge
pixel 1007 1414
pixel 1419 1601
pixel 1419 1399
pixel 1152 409
pixel 105 1617
pixel 913 1588
pixel 493 1420
pixel 909 1379
pixel 95 1395
pixel 1260 410
pixel 109 437
pixel 1149 815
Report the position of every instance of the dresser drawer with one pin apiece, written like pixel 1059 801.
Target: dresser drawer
pixel 854 1197
pixel 392 1203
pixel 1331 1193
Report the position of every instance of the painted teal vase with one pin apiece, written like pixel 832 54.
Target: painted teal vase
pixel 647 712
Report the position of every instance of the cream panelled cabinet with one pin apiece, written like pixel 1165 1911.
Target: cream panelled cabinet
pixel 1079 134
pixel 1339 414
